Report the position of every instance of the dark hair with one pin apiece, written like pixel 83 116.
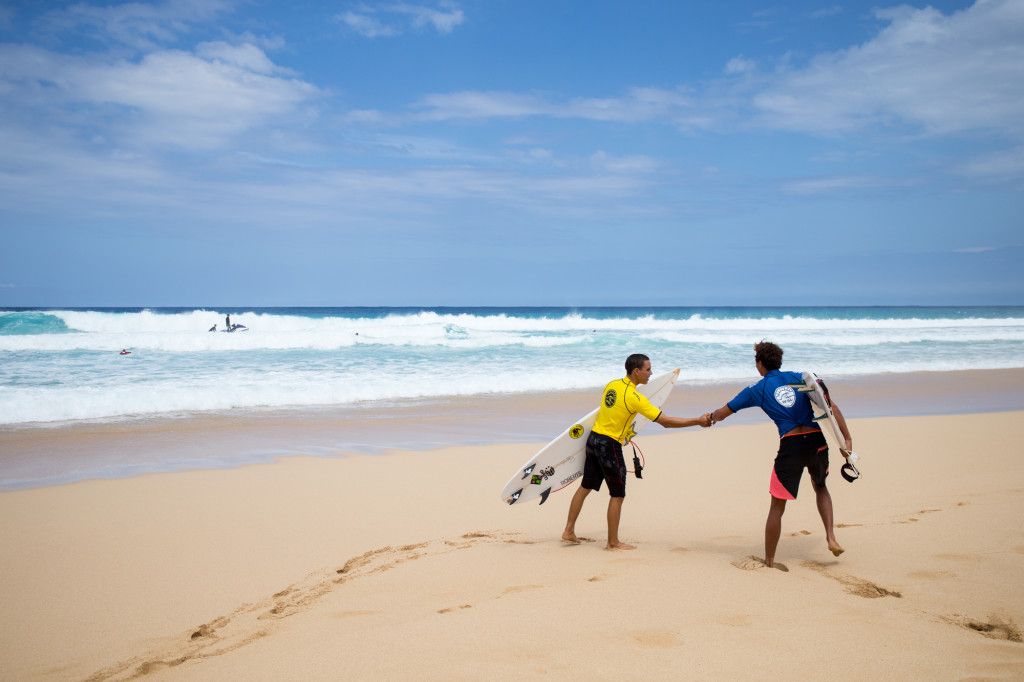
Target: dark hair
pixel 635 361
pixel 768 354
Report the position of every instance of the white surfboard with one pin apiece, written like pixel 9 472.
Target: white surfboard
pixel 814 389
pixel 560 462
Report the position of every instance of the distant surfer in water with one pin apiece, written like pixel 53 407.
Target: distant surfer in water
pixel 620 403
pixel 802 443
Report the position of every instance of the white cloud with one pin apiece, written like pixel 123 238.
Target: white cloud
pixel 639 104
pixel 841 183
pixel 940 73
pixel 624 164
pixel 1002 165
pixel 923 72
pixel 394 19
pixel 443 20
pixel 739 64
pixel 137 24
pixel 246 56
pixel 168 97
pixel 975 249
pixel 366 25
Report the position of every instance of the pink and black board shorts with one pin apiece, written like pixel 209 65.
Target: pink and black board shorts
pixel 796 453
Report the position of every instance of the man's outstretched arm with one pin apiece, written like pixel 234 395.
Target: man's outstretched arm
pixel 720 414
pixel 682 422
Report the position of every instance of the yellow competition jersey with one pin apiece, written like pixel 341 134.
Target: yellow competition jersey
pixel 620 404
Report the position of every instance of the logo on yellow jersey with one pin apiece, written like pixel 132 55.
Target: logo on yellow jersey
pixel 609 397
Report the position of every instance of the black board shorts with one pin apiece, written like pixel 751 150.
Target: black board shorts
pixel 604 463
pixel 796 453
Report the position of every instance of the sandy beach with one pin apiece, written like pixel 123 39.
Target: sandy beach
pixel 408 565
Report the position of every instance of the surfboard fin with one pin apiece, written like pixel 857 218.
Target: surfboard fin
pixel 514 496
pixel 527 471
pixel 544 496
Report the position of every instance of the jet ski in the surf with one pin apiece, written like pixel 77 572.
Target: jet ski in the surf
pixel 228 327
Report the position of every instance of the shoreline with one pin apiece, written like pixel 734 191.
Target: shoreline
pixel 42 455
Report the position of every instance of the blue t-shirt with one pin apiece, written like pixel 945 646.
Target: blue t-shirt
pixel 786 406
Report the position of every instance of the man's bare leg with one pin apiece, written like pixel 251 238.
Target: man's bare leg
pixel 772 530
pixel 575 506
pixel 614 514
pixel 825 509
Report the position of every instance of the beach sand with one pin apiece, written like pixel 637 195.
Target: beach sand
pixel 408 565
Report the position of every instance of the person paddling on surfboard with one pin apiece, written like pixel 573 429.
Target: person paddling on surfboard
pixel 802 443
pixel 620 403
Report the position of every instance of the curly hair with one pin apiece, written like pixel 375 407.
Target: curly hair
pixel 768 354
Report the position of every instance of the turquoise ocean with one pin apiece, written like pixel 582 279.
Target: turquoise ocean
pixel 60 366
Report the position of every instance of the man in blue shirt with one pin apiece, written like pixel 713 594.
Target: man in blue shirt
pixel 802 444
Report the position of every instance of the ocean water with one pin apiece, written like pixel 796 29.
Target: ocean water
pixel 63 365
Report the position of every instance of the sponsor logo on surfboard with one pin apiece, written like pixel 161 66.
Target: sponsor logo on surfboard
pixel 566 481
pixel 542 476
pixel 785 396
pixel 576 431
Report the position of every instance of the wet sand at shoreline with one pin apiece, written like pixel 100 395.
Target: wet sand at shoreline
pixel 38 455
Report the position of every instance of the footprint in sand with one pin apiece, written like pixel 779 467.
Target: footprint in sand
pixel 752 563
pixel 997 627
pixel 453 609
pixel 799 533
pixel 849 525
pixel 852 584
pixel 596 578
pixel 353 614
pixel 207 629
pixel 578 541
pixel 514 589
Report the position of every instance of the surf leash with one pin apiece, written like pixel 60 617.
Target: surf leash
pixel 849 471
pixel 638 460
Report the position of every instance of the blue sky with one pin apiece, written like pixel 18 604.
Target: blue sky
pixel 511 152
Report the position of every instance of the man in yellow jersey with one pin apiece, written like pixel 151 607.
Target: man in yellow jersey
pixel 620 403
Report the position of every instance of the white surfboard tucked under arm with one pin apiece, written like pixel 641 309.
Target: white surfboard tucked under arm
pixel 815 390
pixel 560 462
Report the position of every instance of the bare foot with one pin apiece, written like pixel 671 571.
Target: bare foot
pixel 620 545
pixel 835 548
pixel 772 563
pixel 570 538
